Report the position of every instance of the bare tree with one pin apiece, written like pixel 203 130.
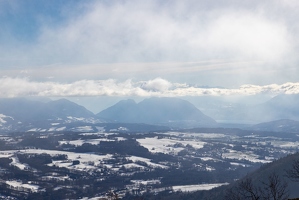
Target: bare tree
pixel 273 189
pixel 293 173
pixel 248 190
pixel 244 190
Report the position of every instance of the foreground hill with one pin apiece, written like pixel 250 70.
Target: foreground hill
pixel 163 111
pixel 280 168
pixel 256 182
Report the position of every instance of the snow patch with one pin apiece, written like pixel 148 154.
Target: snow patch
pixel 19 186
pixel 192 188
pixel 168 145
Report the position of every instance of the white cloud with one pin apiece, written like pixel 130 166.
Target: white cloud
pixel 18 87
pixel 135 31
pixel 248 35
pixel 227 43
pixel 156 85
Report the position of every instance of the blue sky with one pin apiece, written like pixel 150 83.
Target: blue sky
pixel 155 48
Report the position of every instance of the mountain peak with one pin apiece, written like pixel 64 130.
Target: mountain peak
pixel 162 111
pixel 128 102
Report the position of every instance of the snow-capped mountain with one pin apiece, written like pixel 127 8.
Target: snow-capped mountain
pixel 20 114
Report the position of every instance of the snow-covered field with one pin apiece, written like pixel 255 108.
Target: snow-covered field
pixel 147 161
pixel 168 145
pixel 2 121
pixel 238 155
pixel 196 135
pixel 285 144
pixel 87 161
pixel 192 188
pixel 81 142
pixel 19 186
pixel 16 162
pixel 170 152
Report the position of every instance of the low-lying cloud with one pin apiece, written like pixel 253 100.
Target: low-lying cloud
pixel 22 87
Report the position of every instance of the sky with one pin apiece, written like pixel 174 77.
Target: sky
pixel 100 49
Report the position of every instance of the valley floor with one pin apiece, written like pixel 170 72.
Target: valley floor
pixel 90 164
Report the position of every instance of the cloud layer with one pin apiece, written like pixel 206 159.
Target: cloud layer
pixel 134 31
pixel 227 43
pixel 19 87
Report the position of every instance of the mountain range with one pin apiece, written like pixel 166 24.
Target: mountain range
pixel 19 114
pixel 250 110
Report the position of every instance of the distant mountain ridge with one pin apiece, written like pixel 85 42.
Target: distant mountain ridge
pixel 283 125
pixel 163 111
pixel 20 114
pixel 27 110
pixel 283 106
pixel 24 115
